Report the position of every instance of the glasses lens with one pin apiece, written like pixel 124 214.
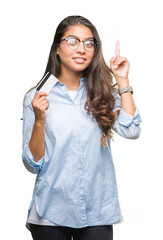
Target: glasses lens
pixel 89 45
pixel 72 43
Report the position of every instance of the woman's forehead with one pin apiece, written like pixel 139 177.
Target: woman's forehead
pixel 80 31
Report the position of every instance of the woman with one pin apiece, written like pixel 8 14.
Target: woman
pixel 67 134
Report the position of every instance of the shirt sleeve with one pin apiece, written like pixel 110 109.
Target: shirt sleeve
pixel 126 125
pixel 28 122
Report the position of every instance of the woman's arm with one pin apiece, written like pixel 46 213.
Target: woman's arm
pixel 37 142
pixel 120 68
pixel 128 123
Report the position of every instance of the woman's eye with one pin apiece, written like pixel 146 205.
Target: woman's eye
pixel 89 43
pixel 72 41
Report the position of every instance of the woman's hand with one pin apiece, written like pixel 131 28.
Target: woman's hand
pixel 40 105
pixel 120 67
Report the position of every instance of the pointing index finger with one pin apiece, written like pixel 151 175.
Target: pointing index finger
pixel 117 48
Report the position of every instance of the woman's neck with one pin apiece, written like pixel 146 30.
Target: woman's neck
pixel 70 80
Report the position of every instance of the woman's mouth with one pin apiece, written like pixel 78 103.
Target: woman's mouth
pixel 79 60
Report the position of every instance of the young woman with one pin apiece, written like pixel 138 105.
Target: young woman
pixel 67 134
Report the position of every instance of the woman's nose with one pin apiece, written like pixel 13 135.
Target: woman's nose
pixel 80 47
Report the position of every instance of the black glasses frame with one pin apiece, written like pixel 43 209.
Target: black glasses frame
pixel 66 39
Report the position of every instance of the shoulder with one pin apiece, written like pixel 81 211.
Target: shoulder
pixel 29 96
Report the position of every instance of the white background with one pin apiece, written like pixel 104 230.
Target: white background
pixel 27 30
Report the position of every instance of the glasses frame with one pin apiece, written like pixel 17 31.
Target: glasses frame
pixel 71 37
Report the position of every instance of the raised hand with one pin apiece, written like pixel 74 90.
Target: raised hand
pixel 119 65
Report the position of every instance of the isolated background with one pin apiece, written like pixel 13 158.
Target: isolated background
pixel 27 29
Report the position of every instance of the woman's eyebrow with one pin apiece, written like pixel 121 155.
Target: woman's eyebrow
pixel 91 38
pixel 72 36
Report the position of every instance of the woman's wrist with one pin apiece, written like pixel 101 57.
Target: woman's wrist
pixel 122 82
pixel 39 123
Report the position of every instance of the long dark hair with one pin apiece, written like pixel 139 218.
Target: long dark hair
pixel 100 92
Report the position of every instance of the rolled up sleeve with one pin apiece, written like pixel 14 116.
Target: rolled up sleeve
pixel 126 125
pixel 30 164
pixel 28 122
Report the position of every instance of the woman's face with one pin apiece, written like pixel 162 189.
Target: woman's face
pixel 75 60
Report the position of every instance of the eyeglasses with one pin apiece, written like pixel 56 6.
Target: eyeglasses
pixel 73 43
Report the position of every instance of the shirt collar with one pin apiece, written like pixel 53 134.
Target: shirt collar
pixel 82 81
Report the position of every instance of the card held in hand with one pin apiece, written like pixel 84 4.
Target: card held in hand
pixel 47 83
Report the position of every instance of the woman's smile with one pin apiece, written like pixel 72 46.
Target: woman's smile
pixel 79 60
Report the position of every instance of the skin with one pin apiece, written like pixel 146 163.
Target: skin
pixel 71 72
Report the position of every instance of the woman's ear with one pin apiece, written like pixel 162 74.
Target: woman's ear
pixel 57 52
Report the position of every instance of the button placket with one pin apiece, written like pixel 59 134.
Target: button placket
pixel 80 161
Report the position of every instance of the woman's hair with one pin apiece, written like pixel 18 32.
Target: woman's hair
pixel 100 92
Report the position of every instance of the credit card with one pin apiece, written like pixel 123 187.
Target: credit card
pixel 47 83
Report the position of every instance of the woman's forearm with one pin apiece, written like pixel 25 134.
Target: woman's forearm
pixel 37 141
pixel 127 101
